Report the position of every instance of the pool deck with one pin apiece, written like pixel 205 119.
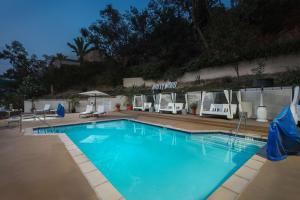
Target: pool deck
pixel 41 167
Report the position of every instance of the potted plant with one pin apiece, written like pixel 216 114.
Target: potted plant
pixel 73 102
pixel 128 103
pixel 129 106
pixel 194 106
pixel 118 107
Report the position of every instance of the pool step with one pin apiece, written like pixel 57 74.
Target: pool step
pixel 240 144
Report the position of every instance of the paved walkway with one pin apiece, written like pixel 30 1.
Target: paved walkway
pixel 39 168
pixel 276 181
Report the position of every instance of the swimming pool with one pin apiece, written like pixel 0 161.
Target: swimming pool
pixel 150 162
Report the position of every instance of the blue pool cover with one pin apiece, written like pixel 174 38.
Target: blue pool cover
pixel 60 110
pixel 283 136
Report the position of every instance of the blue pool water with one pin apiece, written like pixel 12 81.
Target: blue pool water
pixel 153 163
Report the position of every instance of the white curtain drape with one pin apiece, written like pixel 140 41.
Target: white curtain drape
pixel 143 98
pixel 133 103
pixel 230 101
pixel 294 103
pixel 186 102
pixel 199 101
pixel 239 98
pixel 202 100
pixel 228 95
pixel 226 92
pixel 173 98
pixel 159 102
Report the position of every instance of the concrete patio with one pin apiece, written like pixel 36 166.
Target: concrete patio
pixel 41 168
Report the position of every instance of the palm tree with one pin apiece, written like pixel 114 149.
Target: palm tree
pixel 60 56
pixel 80 48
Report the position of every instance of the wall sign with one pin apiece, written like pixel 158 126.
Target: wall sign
pixel 163 86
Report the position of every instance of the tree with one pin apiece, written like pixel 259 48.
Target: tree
pixel 199 13
pixel 31 87
pixel 80 48
pixel 109 34
pixel 23 65
pixel 60 56
pixel 236 68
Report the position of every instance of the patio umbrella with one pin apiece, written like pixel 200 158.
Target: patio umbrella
pixel 94 93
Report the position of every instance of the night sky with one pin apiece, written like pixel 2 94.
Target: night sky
pixel 45 26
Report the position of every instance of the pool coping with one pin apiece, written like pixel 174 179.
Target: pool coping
pixel 229 190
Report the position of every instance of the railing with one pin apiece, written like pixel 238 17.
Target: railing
pixel 35 116
pixel 45 122
pixel 235 131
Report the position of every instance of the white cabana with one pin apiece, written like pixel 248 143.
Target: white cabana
pixel 167 103
pixel 219 104
pixel 138 102
pixel 192 98
pixel 94 93
pixel 156 102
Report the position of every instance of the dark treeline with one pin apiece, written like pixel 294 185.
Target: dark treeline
pixel 162 41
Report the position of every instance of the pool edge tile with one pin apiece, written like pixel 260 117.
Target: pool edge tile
pixel 102 187
pixel 106 191
pixel 238 181
pixel 224 194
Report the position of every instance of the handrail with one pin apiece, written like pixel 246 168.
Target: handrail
pixel 49 126
pixel 36 117
pixel 235 131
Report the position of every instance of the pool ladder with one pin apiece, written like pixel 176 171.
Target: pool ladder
pixel 235 131
pixel 45 122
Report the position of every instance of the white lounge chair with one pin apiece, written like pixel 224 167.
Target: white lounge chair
pixel 88 111
pixel 147 106
pixel 46 109
pixel 220 109
pixel 170 107
pixel 100 110
pixel 15 119
pixel 178 106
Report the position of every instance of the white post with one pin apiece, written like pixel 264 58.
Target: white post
pixel 261 110
pixel 261 102
pixel 230 101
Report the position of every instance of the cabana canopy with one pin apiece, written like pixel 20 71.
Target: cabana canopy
pixel 167 102
pixel 94 93
pixel 138 102
pixel 219 103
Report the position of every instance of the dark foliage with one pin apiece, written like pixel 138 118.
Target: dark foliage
pixel 162 41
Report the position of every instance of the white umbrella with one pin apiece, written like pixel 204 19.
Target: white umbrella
pixel 94 93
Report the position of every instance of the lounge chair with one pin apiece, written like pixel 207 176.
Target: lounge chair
pixel 46 109
pixel 88 111
pixel 178 107
pixel 100 111
pixel 147 106
pixel 170 107
pixel 15 119
pixel 220 109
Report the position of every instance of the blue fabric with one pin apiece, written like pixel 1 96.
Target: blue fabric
pixel 60 110
pixel 283 136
